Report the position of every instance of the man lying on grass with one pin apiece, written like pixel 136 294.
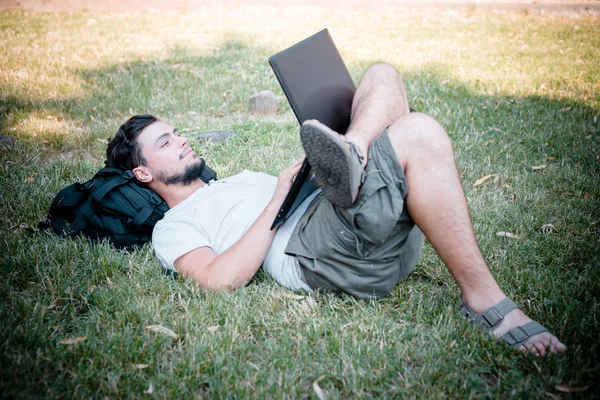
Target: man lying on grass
pixel 388 181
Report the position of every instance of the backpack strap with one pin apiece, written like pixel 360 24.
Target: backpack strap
pixel 147 211
pixel 125 177
pixel 86 213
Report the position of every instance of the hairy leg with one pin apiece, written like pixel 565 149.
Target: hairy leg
pixel 380 99
pixel 437 204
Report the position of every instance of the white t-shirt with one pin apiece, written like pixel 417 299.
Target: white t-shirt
pixel 217 216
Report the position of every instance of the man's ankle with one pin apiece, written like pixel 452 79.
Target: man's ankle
pixel 480 301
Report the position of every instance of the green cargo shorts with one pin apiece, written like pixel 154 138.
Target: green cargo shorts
pixel 366 249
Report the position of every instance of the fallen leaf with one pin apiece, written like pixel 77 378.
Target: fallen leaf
pixel 548 229
pixel 163 330
pixel 573 230
pixel 73 340
pixel 91 289
pixel 318 391
pixel 483 179
pixel 213 329
pixel 550 158
pixel 586 196
pixel 140 366
pixel 452 343
pixel 293 296
pixel 508 235
pixel 109 282
pixel 571 389
pixel 192 113
pixel 219 115
pixel 537 167
pixel 150 389
pixel 564 109
pixel 29 179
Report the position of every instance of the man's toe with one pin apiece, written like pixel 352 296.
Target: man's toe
pixel 556 345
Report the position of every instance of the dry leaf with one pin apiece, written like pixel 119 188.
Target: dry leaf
pixel 293 296
pixel 192 113
pixel 91 289
pixel 573 230
pixel 586 196
pixel 537 167
pixel 219 115
pixel 109 282
pixel 163 330
pixel 452 343
pixel 564 109
pixel 548 229
pixel 571 389
pixel 508 235
pixel 29 179
pixel 213 329
pixel 550 158
pixel 483 179
pixel 73 340
pixel 150 389
pixel 140 366
pixel 318 391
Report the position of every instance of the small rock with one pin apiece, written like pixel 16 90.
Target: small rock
pixel 6 140
pixel 215 136
pixel 264 103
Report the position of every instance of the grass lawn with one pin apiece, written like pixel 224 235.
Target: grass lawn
pixel 519 95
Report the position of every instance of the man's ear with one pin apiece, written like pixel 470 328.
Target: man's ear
pixel 143 174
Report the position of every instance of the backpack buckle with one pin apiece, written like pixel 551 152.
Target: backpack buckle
pixel 154 200
pixel 128 174
pixel 88 185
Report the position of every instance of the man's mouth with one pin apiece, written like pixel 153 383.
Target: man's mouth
pixel 185 152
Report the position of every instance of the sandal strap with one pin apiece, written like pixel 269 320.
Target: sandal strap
pixel 354 148
pixel 358 172
pixel 520 335
pixel 489 319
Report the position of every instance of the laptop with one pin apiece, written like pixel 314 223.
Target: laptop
pixel 318 86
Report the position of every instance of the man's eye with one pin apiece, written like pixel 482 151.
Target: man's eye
pixel 165 143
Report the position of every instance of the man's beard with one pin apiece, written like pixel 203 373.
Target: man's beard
pixel 190 174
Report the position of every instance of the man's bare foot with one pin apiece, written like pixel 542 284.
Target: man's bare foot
pixel 509 326
pixel 539 344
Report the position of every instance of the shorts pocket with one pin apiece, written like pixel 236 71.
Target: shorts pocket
pixel 377 210
pixel 328 235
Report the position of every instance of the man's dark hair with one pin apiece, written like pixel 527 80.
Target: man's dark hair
pixel 123 151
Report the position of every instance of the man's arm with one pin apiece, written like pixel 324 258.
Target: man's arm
pixel 238 264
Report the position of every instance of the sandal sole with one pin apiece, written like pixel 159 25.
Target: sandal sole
pixel 329 160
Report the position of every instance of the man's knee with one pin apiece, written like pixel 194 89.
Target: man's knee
pixel 381 72
pixel 419 132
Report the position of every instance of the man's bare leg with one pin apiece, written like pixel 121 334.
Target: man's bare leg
pixel 436 200
pixel 380 99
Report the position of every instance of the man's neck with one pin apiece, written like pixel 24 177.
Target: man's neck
pixel 176 193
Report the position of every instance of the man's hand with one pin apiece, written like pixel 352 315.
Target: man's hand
pixel 284 182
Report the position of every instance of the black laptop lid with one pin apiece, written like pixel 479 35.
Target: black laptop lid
pixel 316 81
pixel 318 86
